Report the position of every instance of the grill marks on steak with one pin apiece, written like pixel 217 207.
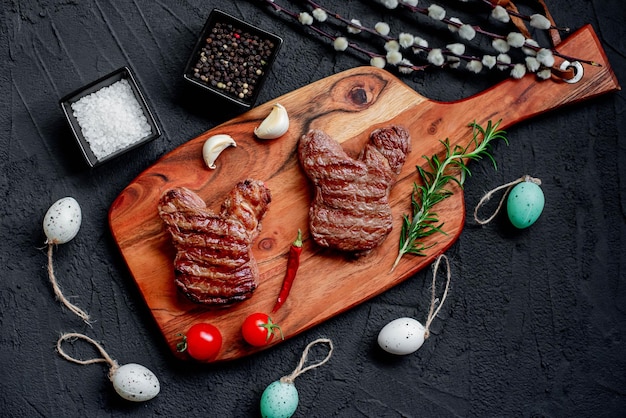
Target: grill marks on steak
pixel 350 209
pixel 214 264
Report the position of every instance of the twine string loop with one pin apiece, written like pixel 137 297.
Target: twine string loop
pixel 300 368
pixel 432 312
pixel 104 359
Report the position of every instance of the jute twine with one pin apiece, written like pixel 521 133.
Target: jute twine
pixel 104 359
pixel 57 290
pixel 301 369
pixel 432 312
pixel 490 193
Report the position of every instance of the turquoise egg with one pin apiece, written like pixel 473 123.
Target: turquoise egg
pixel 525 204
pixel 279 400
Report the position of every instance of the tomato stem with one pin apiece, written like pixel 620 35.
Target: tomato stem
pixel 181 346
pixel 271 328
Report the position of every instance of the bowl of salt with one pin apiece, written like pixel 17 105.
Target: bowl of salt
pixel 109 117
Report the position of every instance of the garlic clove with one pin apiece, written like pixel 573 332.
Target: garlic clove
pixel 274 125
pixel 213 147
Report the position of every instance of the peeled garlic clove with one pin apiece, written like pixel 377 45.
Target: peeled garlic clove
pixel 274 125
pixel 213 147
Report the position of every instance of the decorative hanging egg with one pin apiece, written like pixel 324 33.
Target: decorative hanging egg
pixel 402 336
pixel 62 221
pixel 525 204
pixel 279 400
pixel 135 383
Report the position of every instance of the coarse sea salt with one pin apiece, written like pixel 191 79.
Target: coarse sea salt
pixel 111 119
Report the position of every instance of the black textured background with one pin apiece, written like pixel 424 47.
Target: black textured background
pixel 535 322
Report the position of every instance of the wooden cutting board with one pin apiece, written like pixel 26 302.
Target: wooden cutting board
pixel 348 106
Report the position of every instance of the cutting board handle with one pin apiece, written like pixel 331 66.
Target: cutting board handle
pixel 529 96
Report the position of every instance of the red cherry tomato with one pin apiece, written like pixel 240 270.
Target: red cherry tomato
pixel 202 342
pixel 259 330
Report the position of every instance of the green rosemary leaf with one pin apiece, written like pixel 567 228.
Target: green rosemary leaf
pixel 452 167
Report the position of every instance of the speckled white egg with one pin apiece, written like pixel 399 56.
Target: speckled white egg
pixel 62 221
pixel 402 336
pixel 135 382
pixel 279 400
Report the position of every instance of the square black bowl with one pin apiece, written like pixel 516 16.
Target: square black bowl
pixel 232 59
pixel 66 103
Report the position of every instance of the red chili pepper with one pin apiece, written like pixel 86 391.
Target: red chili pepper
pixel 293 262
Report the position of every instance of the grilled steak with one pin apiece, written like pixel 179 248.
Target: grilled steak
pixel 214 263
pixel 350 209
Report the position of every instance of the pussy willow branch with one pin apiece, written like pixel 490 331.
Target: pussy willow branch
pixel 388 38
pixel 342 19
pixel 327 35
pixel 521 16
pixel 446 52
pixel 478 29
pixel 374 32
pixel 404 64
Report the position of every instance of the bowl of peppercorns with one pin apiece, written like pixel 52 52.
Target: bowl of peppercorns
pixel 232 58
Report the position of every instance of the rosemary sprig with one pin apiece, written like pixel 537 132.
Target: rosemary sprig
pixel 424 222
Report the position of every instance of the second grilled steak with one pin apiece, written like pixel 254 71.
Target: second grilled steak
pixel 350 209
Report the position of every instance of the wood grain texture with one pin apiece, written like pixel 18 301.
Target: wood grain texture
pixel 348 106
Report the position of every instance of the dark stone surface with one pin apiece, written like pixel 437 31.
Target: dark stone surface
pixel 535 322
